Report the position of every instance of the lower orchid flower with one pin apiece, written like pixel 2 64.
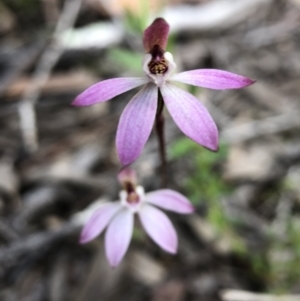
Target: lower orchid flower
pixel 189 114
pixel 118 217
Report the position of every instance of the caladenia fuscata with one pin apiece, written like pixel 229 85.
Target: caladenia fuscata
pixel 135 125
pixel 118 217
pixel 138 117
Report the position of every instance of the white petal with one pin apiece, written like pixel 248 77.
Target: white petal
pixel 98 221
pixel 118 236
pixel 170 200
pixel 159 228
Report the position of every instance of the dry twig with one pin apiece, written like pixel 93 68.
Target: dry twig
pixel 235 295
pixel 257 128
pixel 47 61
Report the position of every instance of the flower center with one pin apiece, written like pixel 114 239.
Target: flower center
pixel 133 199
pixel 158 64
pixel 132 196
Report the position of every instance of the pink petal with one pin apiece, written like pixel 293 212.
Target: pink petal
pixel 118 236
pixel 213 79
pixel 107 89
pixel 170 200
pixel 191 116
pixel 159 228
pixel 98 221
pixel 136 123
pixel 156 34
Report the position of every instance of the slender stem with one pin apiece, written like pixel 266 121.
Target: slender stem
pixel 159 125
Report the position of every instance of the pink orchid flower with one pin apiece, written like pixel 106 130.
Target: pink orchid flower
pixel 189 114
pixel 118 217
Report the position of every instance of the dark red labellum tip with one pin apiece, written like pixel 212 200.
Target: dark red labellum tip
pixel 156 34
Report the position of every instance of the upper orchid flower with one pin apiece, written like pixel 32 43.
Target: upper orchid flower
pixel 119 218
pixel 189 114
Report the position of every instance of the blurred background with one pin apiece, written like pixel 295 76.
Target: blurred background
pixel 243 242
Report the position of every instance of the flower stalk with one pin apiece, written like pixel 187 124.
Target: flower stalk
pixel 160 125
